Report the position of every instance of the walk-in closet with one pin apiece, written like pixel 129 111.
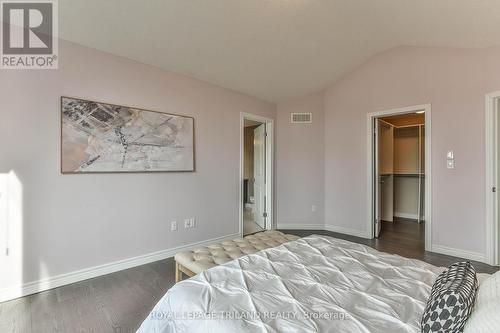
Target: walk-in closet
pixel 401 167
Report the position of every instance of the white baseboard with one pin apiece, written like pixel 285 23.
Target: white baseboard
pixel 92 272
pixel 347 231
pixel 476 256
pixel 406 215
pixel 304 226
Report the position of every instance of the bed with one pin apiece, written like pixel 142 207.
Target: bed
pixel 314 284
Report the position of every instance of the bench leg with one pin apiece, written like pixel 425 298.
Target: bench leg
pixel 179 270
pixel 178 273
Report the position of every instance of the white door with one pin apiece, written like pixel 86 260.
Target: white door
pixel 383 174
pixel 496 160
pixel 259 170
pixel 386 170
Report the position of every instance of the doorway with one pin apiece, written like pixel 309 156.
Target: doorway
pixel 399 176
pixel 256 174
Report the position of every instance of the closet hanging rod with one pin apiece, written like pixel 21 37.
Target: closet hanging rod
pixel 402 126
pixel 408 126
pixel 385 122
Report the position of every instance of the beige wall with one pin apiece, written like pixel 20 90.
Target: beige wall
pixel 406 197
pixel 406 152
pixel 72 222
pixel 455 82
pixel 300 164
pixel 406 160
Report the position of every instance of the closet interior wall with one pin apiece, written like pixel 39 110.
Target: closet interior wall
pixel 402 185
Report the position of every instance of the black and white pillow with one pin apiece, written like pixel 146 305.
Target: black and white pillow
pixel 452 299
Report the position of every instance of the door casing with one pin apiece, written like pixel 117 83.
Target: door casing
pixel 492 174
pixel 370 225
pixel 269 186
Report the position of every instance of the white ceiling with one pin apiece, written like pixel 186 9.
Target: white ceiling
pixel 273 49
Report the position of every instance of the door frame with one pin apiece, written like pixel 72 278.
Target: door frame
pixel 269 187
pixel 492 164
pixel 428 166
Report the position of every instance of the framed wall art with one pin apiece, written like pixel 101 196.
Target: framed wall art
pixel 99 137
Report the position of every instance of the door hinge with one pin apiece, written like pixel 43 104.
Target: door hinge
pixel 494 189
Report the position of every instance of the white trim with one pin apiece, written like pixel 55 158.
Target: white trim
pixel 406 215
pixel 347 231
pixel 450 251
pixel 92 272
pixel 269 168
pixel 270 174
pixel 492 162
pixel 303 226
pixel 428 166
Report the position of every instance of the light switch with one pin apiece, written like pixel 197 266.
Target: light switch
pixel 450 155
pixel 450 164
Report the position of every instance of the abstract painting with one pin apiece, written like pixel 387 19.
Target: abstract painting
pixel 98 137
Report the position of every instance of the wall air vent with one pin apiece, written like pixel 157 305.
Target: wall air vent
pixel 301 118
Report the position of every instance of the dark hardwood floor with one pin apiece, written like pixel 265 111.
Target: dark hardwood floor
pixel 114 303
pixel 119 302
pixel 403 237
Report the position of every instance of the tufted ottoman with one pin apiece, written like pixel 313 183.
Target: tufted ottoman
pixel 197 260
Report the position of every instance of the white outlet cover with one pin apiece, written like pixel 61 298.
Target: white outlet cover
pixel 313 208
pixel 450 164
pixel 173 226
pixel 450 155
pixel 187 224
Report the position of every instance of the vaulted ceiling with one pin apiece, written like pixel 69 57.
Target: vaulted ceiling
pixel 273 49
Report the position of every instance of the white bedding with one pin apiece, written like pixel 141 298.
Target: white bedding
pixel 314 284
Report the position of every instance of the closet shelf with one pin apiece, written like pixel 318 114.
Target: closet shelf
pixel 409 174
pixel 403 174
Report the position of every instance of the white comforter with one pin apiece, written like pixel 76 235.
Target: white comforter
pixel 314 284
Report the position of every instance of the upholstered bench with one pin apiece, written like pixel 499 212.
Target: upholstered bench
pixel 199 259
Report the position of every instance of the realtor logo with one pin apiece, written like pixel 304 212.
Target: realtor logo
pixel 29 35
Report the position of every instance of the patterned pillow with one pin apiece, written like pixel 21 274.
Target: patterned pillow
pixel 452 299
